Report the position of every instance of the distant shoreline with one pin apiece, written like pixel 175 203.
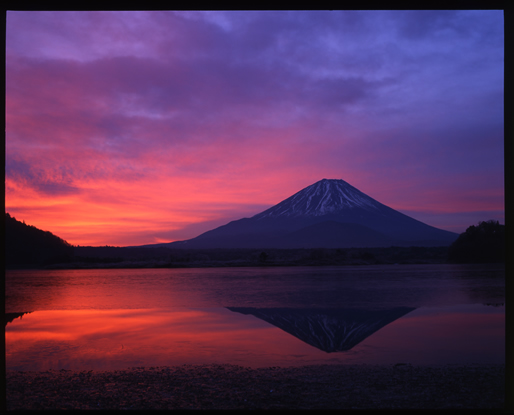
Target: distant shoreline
pixel 235 264
pixel 217 264
pixel 143 265
pixel 118 257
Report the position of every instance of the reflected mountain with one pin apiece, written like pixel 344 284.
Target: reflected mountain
pixel 330 330
pixel 9 317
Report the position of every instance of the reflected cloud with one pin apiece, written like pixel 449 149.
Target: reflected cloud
pixel 330 330
pixel 121 338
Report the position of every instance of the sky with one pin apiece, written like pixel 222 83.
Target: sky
pixel 132 128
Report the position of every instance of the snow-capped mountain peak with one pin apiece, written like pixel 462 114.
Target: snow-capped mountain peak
pixel 324 197
pixel 326 214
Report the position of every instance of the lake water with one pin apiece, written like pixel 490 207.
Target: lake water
pixel 257 317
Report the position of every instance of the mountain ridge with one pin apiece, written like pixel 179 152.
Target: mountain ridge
pixel 323 197
pixel 326 201
pixel 28 245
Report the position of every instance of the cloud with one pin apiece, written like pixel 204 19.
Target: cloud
pixel 161 112
pixel 57 183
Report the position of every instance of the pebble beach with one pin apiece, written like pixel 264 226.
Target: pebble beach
pixel 399 386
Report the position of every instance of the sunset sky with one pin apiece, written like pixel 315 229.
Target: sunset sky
pixel 132 128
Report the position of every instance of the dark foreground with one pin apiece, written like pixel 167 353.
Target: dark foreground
pixel 119 257
pixel 235 387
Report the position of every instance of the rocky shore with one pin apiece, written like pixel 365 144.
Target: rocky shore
pixel 400 386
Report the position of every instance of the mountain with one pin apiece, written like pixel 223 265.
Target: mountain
pixel 27 245
pixel 330 330
pixel 327 214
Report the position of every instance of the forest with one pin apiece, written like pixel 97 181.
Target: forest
pixel 29 247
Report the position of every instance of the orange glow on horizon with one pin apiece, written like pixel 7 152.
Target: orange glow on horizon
pixel 139 127
pixel 125 214
pixel 115 339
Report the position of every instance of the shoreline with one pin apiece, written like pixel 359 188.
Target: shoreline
pixel 221 264
pixel 140 257
pixel 354 386
pixel 231 264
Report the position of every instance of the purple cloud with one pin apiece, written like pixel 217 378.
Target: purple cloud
pixel 402 104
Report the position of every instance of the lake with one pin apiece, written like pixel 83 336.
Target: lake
pixel 112 319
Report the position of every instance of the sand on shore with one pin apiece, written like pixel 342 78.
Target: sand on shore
pixel 400 386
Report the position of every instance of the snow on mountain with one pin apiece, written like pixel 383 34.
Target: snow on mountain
pixel 322 198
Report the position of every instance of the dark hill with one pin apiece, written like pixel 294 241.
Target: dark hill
pixel 26 245
pixel 484 243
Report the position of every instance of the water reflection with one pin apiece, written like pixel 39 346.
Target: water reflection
pixel 9 317
pixel 330 330
pixel 295 287
pixel 118 339
pixel 114 319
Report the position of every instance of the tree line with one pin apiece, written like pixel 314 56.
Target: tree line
pixel 479 244
pixel 27 246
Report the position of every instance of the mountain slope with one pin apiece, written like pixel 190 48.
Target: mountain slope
pixel 332 234
pixel 28 245
pixel 350 217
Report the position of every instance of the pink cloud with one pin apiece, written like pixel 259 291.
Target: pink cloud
pixel 158 114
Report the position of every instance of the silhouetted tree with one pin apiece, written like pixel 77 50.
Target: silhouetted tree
pixel 28 245
pixel 479 244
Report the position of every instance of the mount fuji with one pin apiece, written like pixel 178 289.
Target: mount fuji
pixel 327 214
